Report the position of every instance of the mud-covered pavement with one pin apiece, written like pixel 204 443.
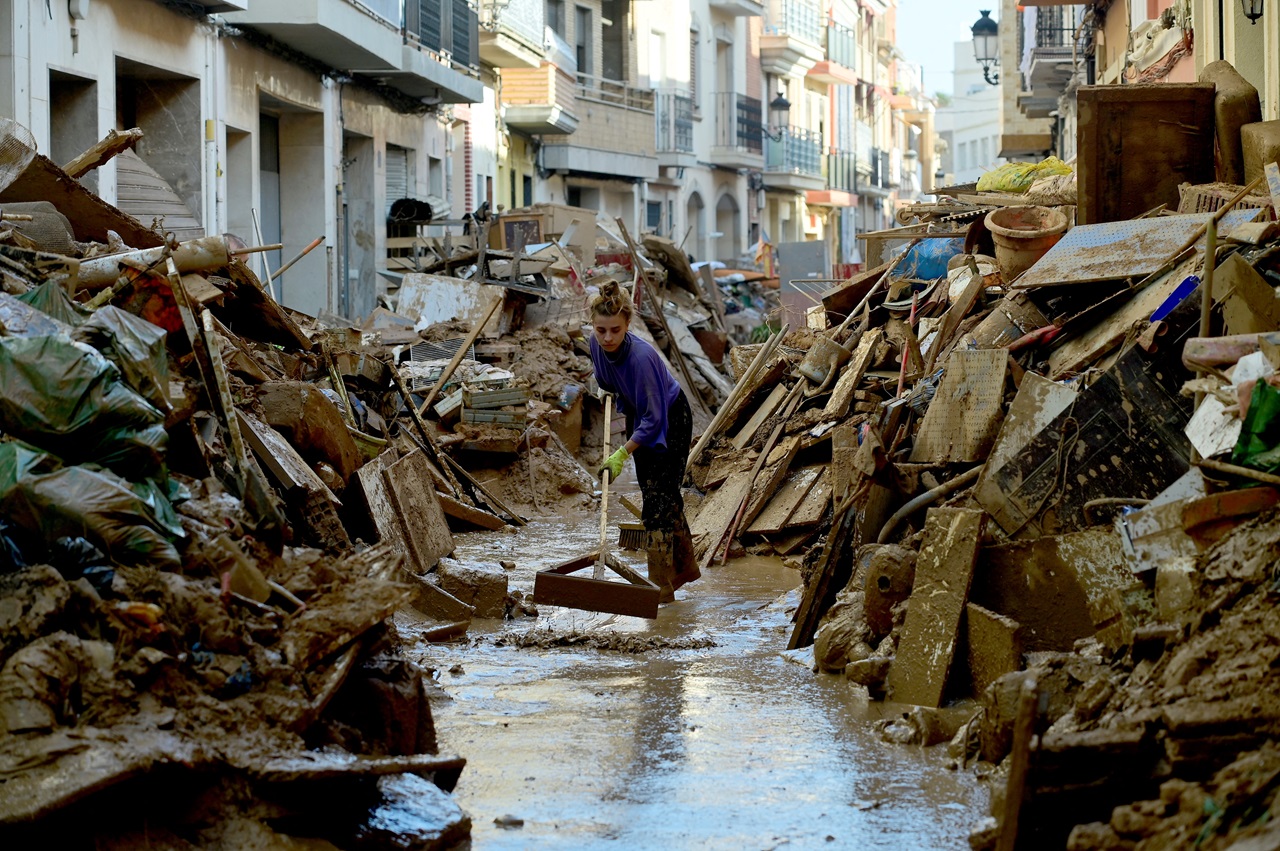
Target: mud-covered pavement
pixel 728 744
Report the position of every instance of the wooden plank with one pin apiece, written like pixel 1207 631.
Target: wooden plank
pixel 851 376
pixel 770 477
pixel 787 543
pixel 413 495
pixel 1138 143
pixel 810 511
pixel 724 466
pixel 718 510
pixel 386 520
pixel 475 516
pixel 844 448
pixel 762 413
pixel 281 460
pixel 944 572
pixel 795 487
pixel 967 409
pixel 1085 350
pixel 1024 728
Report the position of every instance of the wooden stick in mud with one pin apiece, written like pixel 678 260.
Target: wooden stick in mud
pixel 459 355
pixel 598 571
pixel 744 383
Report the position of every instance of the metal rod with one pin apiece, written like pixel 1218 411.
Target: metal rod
pixel 303 253
pixel 257 249
pixel 597 572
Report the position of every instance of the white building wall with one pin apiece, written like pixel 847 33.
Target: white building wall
pixel 973 119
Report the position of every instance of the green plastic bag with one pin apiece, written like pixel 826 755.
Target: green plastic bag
pixel 135 346
pixel 49 501
pixel 1018 177
pixel 52 299
pixel 1259 443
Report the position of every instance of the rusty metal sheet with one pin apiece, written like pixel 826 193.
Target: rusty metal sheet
pixel 1126 249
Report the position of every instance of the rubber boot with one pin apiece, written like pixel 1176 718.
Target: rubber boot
pixel 686 561
pixel 661 554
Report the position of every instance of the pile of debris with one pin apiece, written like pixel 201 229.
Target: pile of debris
pixel 212 504
pixel 1014 445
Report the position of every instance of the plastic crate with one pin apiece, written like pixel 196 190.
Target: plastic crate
pixel 1208 197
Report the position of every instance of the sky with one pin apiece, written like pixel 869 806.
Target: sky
pixel 928 30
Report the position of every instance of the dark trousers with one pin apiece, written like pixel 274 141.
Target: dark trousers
pixel 661 471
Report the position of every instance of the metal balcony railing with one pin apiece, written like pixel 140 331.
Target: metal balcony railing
pixel 738 122
pixel 799 18
pixel 449 27
pixel 523 18
pixel 798 151
pixel 1055 27
pixel 615 93
pixel 842 46
pixel 389 10
pixel 841 171
pixel 880 168
pixel 674 113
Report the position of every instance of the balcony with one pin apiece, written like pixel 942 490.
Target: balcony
pixel 674 114
pixel 213 7
pixel 839 171
pixel 615 135
pixel 738 140
pixel 511 35
pixel 340 33
pixel 794 162
pixel 738 8
pixel 441 45
pixel 841 62
pixel 1052 61
pixel 540 102
pixel 792 39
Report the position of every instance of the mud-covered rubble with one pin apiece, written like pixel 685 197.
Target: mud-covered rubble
pixel 1011 481
pixel 213 505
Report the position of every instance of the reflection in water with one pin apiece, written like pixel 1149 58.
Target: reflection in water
pixel 729 747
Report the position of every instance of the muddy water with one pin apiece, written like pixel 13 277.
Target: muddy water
pixel 735 746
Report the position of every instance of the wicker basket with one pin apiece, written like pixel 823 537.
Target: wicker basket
pixel 1208 197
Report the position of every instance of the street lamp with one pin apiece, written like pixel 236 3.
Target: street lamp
pixel 986 45
pixel 1252 9
pixel 779 109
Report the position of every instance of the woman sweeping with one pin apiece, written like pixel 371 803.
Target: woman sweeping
pixel 659 425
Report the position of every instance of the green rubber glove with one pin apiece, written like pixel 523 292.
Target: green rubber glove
pixel 614 463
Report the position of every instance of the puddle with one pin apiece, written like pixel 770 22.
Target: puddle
pixel 728 746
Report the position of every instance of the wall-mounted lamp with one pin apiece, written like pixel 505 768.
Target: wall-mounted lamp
pixel 779 109
pixel 986 46
pixel 1252 9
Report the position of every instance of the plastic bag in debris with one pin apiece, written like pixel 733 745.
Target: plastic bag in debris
pixel 136 347
pixel 67 398
pixel 1259 443
pixel 50 298
pixel 927 259
pixel 1018 177
pixel 77 557
pixel 48 501
pixel 11 556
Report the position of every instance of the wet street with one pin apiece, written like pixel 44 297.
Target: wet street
pixel 715 738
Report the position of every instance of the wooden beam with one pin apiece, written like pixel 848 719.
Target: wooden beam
pixel 103 151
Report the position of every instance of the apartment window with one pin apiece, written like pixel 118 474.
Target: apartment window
pixel 653 216
pixel 582 39
pixel 555 17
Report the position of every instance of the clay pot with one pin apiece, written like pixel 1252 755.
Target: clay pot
pixel 1022 235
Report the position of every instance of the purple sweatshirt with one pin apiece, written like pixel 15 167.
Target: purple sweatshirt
pixel 642 381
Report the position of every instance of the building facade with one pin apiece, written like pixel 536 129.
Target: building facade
pixel 283 120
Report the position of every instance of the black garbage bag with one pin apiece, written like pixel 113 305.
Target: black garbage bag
pixel 67 398
pixel 76 557
pixel 45 499
pixel 136 347
pixel 11 555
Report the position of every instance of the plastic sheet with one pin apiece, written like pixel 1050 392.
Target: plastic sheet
pixel 136 347
pixel 65 397
pixel 51 502
pixel 1018 177
pixel 1259 443
pixel 50 298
